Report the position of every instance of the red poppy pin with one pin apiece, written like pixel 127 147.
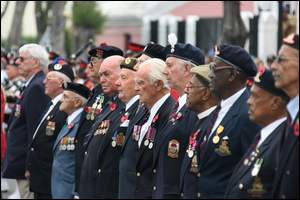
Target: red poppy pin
pixel 155 118
pixel 112 107
pixel 70 126
pixel 296 128
pixel 86 109
pixel 124 117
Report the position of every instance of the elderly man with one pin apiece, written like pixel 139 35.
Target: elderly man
pixel 286 74
pixel 152 86
pixel 39 162
pixel 100 135
pixel 28 110
pixel 254 176
pixel 95 103
pixel 230 132
pixel 201 100
pixel 63 167
pixel 171 146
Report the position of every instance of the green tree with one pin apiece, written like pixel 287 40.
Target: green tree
pixel 87 21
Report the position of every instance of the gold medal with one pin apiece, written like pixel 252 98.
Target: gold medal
pixel 150 145
pixel 190 153
pixel 146 143
pixel 113 143
pixel 220 129
pixel 216 139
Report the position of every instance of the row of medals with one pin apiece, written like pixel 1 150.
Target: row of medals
pixel 67 143
pixel 253 156
pixel 95 109
pixel 50 127
pixel 150 135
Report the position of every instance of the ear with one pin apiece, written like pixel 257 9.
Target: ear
pixel 276 103
pixel 206 94
pixel 159 85
pixel 232 75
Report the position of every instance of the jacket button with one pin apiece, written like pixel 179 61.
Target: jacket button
pixel 154 188
pixel 288 172
pixel 138 174
pixel 99 171
pixel 32 149
pixel 198 175
pixel 283 196
pixel 85 153
pixel 198 195
pixel 181 194
pixel 241 186
pixel 154 171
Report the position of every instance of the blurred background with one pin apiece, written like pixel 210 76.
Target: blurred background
pixel 66 27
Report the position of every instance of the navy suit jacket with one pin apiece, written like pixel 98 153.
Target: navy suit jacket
pixel 33 102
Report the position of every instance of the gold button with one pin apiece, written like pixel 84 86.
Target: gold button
pixel 154 171
pixel 241 186
pixel 32 149
pixel 154 188
pixel 138 174
pixel 198 195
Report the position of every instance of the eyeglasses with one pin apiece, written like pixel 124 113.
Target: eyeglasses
pixel 280 59
pixel 22 59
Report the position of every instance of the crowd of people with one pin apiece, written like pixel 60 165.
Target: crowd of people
pixel 165 123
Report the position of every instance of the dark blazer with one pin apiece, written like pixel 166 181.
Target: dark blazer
pixel 243 185
pixel 144 165
pixel 287 177
pixel 84 127
pixel 127 164
pixel 188 180
pixel 107 182
pixel 40 156
pixel 167 163
pixel 32 104
pixel 96 145
pixel 216 167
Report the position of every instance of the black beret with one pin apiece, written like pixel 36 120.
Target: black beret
pixel 129 63
pixel 62 67
pixel 155 51
pixel 292 41
pixel 186 52
pixel 103 51
pixel 237 57
pixel 265 80
pixel 78 89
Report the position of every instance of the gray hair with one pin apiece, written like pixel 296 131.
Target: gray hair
pixel 36 51
pixel 83 100
pixel 157 68
pixel 62 76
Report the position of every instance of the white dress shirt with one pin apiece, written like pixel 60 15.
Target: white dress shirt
pixel 293 107
pixel 206 112
pixel 225 106
pixel 181 102
pixel 74 115
pixel 266 131
pixel 153 112
pixel 54 102
pixel 128 105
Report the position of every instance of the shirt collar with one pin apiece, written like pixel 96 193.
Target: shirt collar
pixel 57 99
pixel 132 101
pixel 158 104
pixel 29 80
pixel 232 99
pixel 293 107
pixel 181 101
pixel 206 112
pixel 266 131
pixel 74 115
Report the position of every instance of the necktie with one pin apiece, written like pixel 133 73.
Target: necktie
pixel 208 130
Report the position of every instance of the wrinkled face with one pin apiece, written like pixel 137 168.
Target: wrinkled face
pixel 126 85
pixel 26 64
pixel 259 104
pixel 109 74
pixel 220 73
pixel 68 101
pixel 53 84
pixel 174 72
pixel 144 87
pixel 12 71
pixel 285 68
pixel 195 91
pixel 94 67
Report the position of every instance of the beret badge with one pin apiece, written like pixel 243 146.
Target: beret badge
pixel 57 66
pixel 172 39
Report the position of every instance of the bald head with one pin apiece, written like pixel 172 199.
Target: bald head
pixel 109 74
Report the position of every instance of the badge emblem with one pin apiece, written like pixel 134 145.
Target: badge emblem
pixel 173 148
pixel 223 149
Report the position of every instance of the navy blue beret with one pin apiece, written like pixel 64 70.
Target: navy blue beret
pixel 78 89
pixel 186 52
pixel 104 51
pixel 237 57
pixel 265 80
pixel 155 51
pixel 62 67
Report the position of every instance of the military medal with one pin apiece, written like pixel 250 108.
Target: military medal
pixel 192 144
pixel 113 143
pixel 120 139
pixel 257 189
pixel 150 145
pixel 194 165
pixel 246 161
pixel 216 139
pixel 50 127
pixel 223 149
pixel 146 143
pixel 173 149
pixel 257 167
pixel 152 132
pixel 18 110
pixel 136 132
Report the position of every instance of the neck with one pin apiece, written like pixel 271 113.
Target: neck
pixel 205 105
pixel 33 72
pixel 233 89
pixel 158 97
pixel 272 119
pixel 292 90
pixel 70 112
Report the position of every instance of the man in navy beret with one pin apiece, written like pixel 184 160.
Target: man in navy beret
pixel 230 132
pixel 285 69
pixel 254 175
